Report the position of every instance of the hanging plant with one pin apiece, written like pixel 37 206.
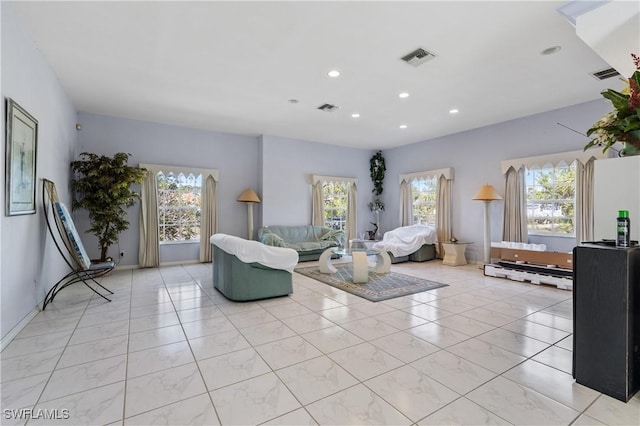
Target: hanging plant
pixel 377 169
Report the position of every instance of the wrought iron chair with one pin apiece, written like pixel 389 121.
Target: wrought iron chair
pixel 68 243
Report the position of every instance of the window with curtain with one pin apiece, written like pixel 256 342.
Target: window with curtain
pixel 551 199
pixel 335 201
pixel 179 206
pixel 424 192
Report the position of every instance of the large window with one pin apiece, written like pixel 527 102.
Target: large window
pixel 551 198
pixel 179 198
pixel 423 196
pixel 335 197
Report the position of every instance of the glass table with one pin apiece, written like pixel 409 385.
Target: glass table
pixel 358 261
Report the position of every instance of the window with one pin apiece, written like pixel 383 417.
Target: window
pixel 551 198
pixel 335 197
pixel 179 198
pixel 423 196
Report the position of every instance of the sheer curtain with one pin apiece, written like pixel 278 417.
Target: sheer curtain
pixel 351 230
pixel 515 207
pixel 406 208
pixel 443 212
pixel 584 201
pixel 149 247
pixel 208 218
pixel 317 205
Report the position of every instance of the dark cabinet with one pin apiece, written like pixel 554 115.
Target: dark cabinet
pixel 606 319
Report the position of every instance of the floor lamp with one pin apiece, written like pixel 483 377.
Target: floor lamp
pixel 487 193
pixel 250 197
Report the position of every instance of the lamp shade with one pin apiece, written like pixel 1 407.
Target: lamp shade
pixel 487 193
pixel 249 196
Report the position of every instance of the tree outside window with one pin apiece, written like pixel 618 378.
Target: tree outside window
pixel 179 199
pixel 551 198
pixel 336 196
pixel 423 195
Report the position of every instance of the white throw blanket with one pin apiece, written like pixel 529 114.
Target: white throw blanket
pixel 253 251
pixel 407 239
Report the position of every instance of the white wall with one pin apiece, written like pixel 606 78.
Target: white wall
pixel 234 156
pixel 29 262
pixel 476 155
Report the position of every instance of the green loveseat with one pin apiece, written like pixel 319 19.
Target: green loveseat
pixel 308 240
pixel 247 270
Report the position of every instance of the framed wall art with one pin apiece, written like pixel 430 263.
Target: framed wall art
pixel 21 150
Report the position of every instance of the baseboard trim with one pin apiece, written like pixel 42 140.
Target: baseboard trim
pixel 18 328
pixel 126 267
pixel 179 262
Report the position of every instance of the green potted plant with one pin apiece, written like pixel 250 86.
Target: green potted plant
pixel 102 186
pixel 377 169
pixel 623 123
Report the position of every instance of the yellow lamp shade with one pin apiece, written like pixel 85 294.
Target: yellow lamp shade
pixel 487 193
pixel 249 196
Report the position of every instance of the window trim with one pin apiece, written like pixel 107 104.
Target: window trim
pixel 186 170
pixel 548 165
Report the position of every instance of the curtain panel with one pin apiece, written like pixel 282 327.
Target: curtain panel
pixel 149 246
pixel 443 213
pixel 584 201
pixel 351 230
pixel 406 207
pixel 208 218
pixel 515 207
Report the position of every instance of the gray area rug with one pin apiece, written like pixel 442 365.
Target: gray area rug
pixel 380 286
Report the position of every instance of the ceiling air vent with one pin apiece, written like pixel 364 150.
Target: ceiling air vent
pixel 418 57
pixel 604 74
pixel 328 107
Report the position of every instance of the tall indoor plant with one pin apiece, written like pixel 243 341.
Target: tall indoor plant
pixel 102 186
pixel 377 168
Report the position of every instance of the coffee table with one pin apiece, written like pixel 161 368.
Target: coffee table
pixel 358 260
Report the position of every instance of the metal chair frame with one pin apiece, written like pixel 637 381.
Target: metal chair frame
pixel 78 272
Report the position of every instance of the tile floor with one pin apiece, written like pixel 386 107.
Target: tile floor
pixel 171 350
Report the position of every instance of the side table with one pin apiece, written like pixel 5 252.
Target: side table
pixel 454 253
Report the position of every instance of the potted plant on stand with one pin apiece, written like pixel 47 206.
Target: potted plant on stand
pixel 376 169
pixel 623 123
pixel 102 186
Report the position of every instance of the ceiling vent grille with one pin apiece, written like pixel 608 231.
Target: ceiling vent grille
pixel 418 57
pixel 328 107
pixel 605 74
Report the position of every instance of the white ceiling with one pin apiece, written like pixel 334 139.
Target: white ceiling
pixel 233 66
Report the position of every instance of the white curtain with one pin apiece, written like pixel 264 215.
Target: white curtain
pixel 317 204
pixel 515 207
pixel 584 201
pixel 351 230
pixel 149 247
pixel 406 207
pixel 443 212
pixel 208 218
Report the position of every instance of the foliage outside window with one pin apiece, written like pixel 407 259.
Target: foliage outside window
pixel 551 198
pixel 179 198
pixel 335 197
pixel 423 195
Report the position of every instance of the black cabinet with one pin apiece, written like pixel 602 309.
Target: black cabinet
pixel 606 319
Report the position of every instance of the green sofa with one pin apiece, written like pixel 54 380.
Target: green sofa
pixel 308 240
pixel 247 270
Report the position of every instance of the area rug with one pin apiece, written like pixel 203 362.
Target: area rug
pixel 380 286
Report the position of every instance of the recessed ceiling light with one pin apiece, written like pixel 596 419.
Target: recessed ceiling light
pixel 403 126
pixel 453 111
pixel 333 73
pixel 551 50
pixel 355 115
pixel 293 101
pixel 403 95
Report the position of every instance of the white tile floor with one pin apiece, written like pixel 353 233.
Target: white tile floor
pixel 171 350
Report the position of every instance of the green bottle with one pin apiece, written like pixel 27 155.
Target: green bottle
pixel 623 237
